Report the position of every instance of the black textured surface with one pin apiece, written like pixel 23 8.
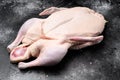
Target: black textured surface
pixel 99 62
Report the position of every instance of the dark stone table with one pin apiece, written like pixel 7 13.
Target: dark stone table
pixel 98 62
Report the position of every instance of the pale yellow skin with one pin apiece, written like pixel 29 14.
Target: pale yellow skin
pixel 49 39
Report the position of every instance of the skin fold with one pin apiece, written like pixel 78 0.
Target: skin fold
pixel 48 40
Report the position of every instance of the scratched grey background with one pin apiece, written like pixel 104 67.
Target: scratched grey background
pixel 99 62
